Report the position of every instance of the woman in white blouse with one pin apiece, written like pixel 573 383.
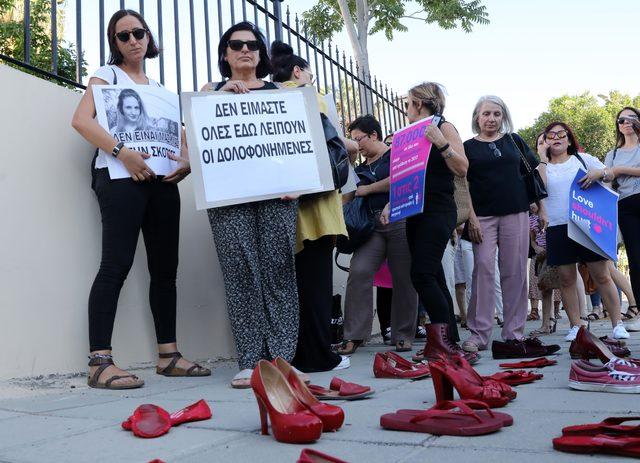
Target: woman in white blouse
pixel 560 162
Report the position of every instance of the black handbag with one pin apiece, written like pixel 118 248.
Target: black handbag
pixel 536 189
pixel 338 155
pixel 360 225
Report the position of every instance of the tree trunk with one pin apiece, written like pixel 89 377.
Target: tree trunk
pixel 358 35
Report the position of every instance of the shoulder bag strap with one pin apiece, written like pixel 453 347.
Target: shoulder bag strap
pixel 115 77
pixel 584 164
pixel 522 156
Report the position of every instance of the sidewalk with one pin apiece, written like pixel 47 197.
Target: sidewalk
pixel 59 419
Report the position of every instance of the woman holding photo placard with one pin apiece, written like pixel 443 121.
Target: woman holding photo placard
pixel 255 241
pixel 143 202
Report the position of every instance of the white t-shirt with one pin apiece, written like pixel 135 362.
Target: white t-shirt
pixel 559 178
pixel 106 73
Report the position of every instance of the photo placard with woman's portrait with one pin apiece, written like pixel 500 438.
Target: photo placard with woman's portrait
pixel 145 118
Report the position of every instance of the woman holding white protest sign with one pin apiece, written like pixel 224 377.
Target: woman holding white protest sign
pixel 255 241
pixel 561 160
pixel 142 202
pixel 320 220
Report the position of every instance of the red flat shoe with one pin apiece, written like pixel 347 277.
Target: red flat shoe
pixel 450 373
pixel 507 420
pixel 514 377
pixel 346 391
pixel 148 421
pixel 347 388
pixel 196 412
pixel 391 365
pixel 612 445
pixel 446 418
pixel 611 425
pixel 535 363
pixel 291 421
pixel 588 346
pixel 313 456
pixel 331 416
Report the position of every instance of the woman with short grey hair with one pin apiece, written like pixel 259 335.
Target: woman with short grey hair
pixel 498 221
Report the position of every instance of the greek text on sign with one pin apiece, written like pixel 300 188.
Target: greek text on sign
pixel 255 146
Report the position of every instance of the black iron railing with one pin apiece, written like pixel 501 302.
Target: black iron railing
pixel 185 22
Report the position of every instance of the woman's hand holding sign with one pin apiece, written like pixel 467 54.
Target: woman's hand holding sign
pixel 134 163
pixel 435 136
pixel 592 176
pixel 184 166
pixel 235 86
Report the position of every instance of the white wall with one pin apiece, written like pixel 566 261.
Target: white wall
pixel 50 248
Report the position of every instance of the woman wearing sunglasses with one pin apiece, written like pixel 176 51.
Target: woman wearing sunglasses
pixel 623 170
pixel 143 202
pixel 255 241
pixel 561 160
pixel 498 222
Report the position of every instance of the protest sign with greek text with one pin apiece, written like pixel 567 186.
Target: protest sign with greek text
pixel 145 118
pixel 409 156
pixel 255 146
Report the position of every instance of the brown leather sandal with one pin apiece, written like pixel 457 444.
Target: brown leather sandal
pixel 103 362
pixel 172 370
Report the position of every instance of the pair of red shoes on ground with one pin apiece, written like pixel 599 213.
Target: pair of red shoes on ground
pixel 340 390
pixel 296 415
pixel 609 436
pixel 149 420
pixel 391 365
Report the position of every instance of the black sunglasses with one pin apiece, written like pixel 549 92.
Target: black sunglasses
pixel 494 149
pixel 632 120
pixel 138 34
pixel 236 45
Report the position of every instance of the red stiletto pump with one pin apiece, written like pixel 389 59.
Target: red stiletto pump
pixel 332 417
pixel 291 421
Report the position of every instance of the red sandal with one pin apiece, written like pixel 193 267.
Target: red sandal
pixel 611 425
pixel 514 377
pixel 446 418
pixel 340 390
pixel 601 443
pixel 535 363
pixel 507 420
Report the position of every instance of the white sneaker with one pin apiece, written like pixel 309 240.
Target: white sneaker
pixel 572 333
pixel 620 332
pixel 633 326
pixel 344 363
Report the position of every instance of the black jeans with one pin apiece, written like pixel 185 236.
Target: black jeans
pixel 428 234
pixel 126 208
pixel 629 221
pixel 314 272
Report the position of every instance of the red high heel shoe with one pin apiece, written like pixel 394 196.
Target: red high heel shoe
pixel 332 417
pixel 587 346
pixel 291 422
pixel 455 372
pixel 391 365
pixel 313 456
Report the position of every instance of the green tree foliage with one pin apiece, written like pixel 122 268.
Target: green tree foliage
pixel 592 119
pixel 12 37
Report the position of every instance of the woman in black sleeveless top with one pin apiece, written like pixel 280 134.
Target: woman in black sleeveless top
pixel 255 241
pixel 429 232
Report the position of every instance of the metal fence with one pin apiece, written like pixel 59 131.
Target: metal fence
pixel 201 24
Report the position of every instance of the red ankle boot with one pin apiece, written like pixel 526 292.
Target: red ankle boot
pixel 439 344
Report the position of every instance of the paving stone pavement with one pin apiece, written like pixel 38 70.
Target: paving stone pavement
pixel 59 419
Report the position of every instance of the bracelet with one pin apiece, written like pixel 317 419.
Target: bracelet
pixel 116 149
pixel 543 162
pixel 605 175
pixel 443 149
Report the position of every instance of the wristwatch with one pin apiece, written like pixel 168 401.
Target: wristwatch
pixel 116 149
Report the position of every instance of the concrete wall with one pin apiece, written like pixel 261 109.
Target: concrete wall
pixel 50 248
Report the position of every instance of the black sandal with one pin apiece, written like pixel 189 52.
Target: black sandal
pixel 631 312
pixel 172 370
pixel 103 362
pixel 342 350
pixel 403 346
